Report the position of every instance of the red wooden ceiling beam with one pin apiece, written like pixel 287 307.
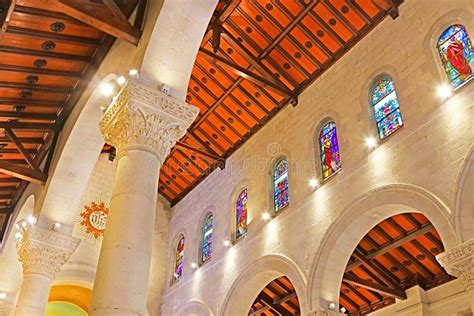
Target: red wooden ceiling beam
pixel 352 279
pixel 18 171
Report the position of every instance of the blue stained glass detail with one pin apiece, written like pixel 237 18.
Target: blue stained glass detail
pixel 457 55
pixel 241 209
pixel 387 112
pixel 208 232
pixel 178 271
pixel 329 146
pixel 280 185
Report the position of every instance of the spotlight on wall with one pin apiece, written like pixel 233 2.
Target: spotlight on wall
pixel 107 89
pixel 371 142
pixel 31 220
pixel 121 80
pixel 266 216
pixel 194 265
pixel 332 306
pixel 343 310
pixel 3 296
pixel 18 235
pixel 313 183
pixel 133 73
pixel 227 243
pixel 57 227
pixel 444 91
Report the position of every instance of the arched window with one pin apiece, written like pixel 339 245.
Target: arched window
pixel 178 268
pixel 241 209
pixel 329 146
pixel 386 107
pixel 280 185
pixel 455 49
pixel 207 235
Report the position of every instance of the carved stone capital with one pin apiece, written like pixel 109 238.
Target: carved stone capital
pixel 142 116
pixel 459 262
pixel 42 251
pixel 5 308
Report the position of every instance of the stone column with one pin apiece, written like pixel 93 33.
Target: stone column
pixel 42 253
pixel 143 125
pixel 459 262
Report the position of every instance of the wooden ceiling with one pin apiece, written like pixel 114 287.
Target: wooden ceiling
pixel 277 298
pixel 256 57
pixel 395 255
pixel 47 58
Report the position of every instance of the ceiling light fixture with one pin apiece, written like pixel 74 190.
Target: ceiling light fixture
pixel 107 89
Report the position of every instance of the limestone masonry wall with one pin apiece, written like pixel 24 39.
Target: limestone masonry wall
pixel 427 156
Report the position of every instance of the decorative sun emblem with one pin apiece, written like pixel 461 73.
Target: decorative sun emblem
pixel 93 219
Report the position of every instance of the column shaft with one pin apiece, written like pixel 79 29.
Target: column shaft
pixel 122 274
pixel 33 296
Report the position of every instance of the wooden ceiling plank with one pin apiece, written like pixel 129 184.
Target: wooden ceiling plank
pixel 414 261
pixel 409 217
pixel 327 29
pixel 27 125
pixel 201 142
pixel 428 255
pixel 190 160
pixel 14 101
pixel 386 277
pixel 10 134
pixel 280 49
pixel 435 240
pixel 164 174
pixel 352 279
pixel 294 22
pixel 241 71
pixel 209 139
pixel 180 144
pixel 357 9
pixel 71 39
pixel 105 16
pixel 167 187
pixel 387 238
pixel 29 116
pixel 292 39
pixel 23 173
pixel 349 300
pixel 391 6
pixel 396 226
pixel 306 32
pixel 40 53
pixel 357 293
pixel 180 174
pixel 41 71
pixel 269 301
pixel 36 87
pixel 248 56
pixel 396 263
pixel 397 242
pixel 5 15
pixel 341 18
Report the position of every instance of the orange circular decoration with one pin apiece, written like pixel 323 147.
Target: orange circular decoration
pixel 94 219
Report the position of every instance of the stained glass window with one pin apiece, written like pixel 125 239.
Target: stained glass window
pixel 457 55
pixel 241 209
pixel 280 183
pixel 178 268
pixel 330 158
pixel 386 107
pixel 207 234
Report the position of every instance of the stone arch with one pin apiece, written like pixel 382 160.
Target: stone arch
pixel 174 43
pixel 464 204
pixel 195 308
pixel 256 276
pixel 356 220
pixel 25 207
pixel 63 192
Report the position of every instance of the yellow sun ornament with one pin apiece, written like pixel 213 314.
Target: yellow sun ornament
pixel 94 219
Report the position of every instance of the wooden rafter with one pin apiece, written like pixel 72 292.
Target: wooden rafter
pixel 10 134
pixel 6 9
pixel 382 289
pixel 105 16
pixel 20 172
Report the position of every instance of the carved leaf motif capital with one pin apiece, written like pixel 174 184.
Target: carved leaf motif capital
pixel 459 261
pixel 43 251
pixel 143 116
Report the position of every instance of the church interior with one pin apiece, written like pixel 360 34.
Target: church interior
pixel 236 157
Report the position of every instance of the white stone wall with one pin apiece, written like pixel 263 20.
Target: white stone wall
pixel 427 154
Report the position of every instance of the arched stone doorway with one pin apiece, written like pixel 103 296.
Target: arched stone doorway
pixel 277 298
pixel 395 255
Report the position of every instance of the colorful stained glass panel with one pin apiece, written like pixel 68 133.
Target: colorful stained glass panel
pixel 208 232
pixel 457 55
pixel 329 146
pixel 386 107
pixel 178 270
pixel 241 209
pixel 280 183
